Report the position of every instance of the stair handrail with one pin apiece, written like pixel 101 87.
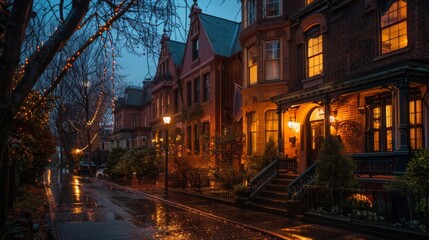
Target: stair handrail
pixel 264 176
pixel 307 177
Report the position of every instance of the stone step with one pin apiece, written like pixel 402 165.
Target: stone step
pixel 276 187
pixel 270 202
pixel 274 194
pixel 281 181
pixel 270 209
pixel 287 176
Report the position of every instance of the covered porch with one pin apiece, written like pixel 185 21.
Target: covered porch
pixel 380 116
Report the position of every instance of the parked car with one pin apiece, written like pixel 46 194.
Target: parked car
pixel 84 168
pixel 101 173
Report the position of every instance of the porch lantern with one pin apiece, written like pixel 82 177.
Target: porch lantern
pixel 333 117
pixel 291 123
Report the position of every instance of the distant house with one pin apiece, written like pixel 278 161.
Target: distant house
pixel 210 70
pixel 131 129
pixel 166 92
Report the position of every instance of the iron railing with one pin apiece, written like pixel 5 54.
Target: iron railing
pixel 263 177
pixel 307 177
pixel 224 184
pixel 219 185
pixel 392 208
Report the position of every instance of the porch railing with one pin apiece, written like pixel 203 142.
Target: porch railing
pixel 263 177
pixel 307 177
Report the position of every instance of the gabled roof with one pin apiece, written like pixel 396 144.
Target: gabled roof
pixel 176 50
pixel 133 97
pixel 222 34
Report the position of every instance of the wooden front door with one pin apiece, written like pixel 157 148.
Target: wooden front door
pixel 316 134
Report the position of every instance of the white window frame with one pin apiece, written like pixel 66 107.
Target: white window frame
pixel 273 58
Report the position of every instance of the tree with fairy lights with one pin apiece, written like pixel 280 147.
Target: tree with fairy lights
pixel 33 34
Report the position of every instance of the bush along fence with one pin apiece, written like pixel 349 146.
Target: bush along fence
pixel 391 208
pixel 219 185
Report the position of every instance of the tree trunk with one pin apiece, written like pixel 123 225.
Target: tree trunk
pixel 5 126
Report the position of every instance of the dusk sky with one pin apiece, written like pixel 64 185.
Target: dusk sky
pixel 135 68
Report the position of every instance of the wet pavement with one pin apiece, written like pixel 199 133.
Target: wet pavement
pixel 88 208
pixel 84 208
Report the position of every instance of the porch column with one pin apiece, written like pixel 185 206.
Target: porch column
pixel 280 130
pixel 327 115
pixel 403 100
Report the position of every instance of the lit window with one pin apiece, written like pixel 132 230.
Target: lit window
pixel 380 122
pixel 251 132
pixel 416 127
pixel 250 12
pixel 314 56
pixel 252 64
pixel 393 25
pixel 272 60
pixel 271 125
pixel 272 8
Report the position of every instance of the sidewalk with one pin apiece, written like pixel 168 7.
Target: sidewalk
pixel 270 224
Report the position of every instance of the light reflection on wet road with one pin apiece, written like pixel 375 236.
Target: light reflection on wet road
pixel 86 209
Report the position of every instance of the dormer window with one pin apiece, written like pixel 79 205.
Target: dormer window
pixel 272 8
pixel 195 48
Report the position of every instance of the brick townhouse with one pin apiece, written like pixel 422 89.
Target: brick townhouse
pixel 195 84
pixel 354 69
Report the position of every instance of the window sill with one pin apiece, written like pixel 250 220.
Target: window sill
pixel 391 54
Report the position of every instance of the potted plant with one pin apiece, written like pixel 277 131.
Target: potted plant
pixel 242 194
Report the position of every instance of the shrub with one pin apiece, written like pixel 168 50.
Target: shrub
pixel 334 169
pixel 417 173
pixel 241 190
pixel 257 162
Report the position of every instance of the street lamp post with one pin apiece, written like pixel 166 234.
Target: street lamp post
pixel 167 120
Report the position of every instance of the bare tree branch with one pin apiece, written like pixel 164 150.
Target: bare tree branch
pixel 38 62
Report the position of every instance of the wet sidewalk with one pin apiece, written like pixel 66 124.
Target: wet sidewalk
pixel 271 224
